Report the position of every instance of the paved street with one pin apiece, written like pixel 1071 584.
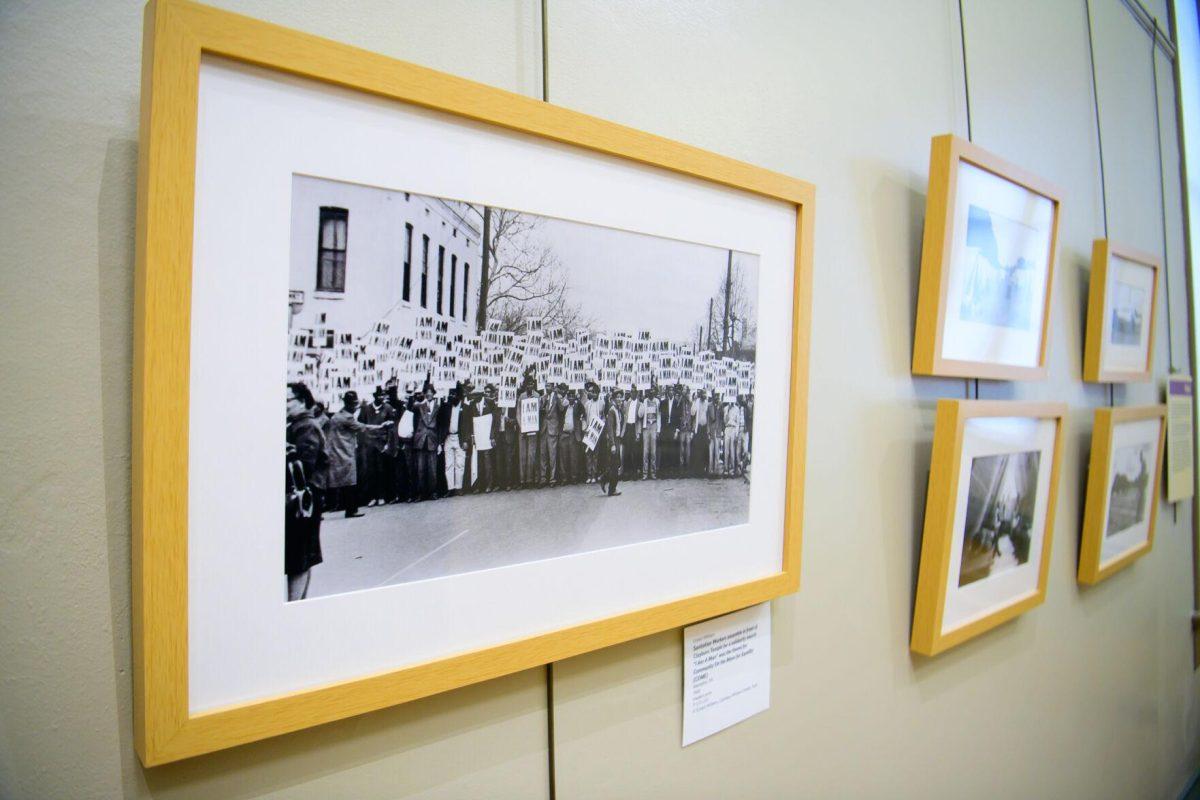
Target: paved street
pixel 402 543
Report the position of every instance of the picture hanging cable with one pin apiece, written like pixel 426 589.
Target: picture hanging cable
pixel 962 36
pixel 1162 189
pixel 1087 8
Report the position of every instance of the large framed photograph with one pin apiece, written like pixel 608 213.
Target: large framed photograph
pixel 435 383
pixel 1124 474
pixel 989 518
pixel 987 267
pixel 1122 300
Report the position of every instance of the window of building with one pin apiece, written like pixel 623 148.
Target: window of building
pixel 466 283
pixel 453 281
pixel 424 271
pixel 331 249
pixel 408 233
pixel 441 273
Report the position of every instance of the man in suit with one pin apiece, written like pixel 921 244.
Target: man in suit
pixel 687 429
pixel 631 451
pixel 424 445
pixel 483 450
pixel 614 431
pixel 551 430
pixel 716 429
pixel 700 433
pixel 449 429
pixel 570 441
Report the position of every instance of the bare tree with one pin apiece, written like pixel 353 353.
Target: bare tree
pixel 735 320
pixel 525 277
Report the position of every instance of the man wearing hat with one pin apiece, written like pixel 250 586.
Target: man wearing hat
pixel 700 428
pixel 570 441
pixel 527 442
pixel 371 458
pixel 551 430
pixel 341 447
pixel 450 419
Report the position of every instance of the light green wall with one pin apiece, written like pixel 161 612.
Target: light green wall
pixel 1091 695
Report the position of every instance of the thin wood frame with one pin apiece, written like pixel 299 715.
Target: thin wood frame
pixel 176 34
pixel 937 540
pixel 946 153
pixel 1098 300
pixel 1097 498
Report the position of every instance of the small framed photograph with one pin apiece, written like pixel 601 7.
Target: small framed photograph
pixel 1122 300
pixel 427 387
pixel 989 518
pixel 1122 489
pixel 987 267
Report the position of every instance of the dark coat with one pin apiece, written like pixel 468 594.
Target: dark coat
pixel 424 428
pixel 305 434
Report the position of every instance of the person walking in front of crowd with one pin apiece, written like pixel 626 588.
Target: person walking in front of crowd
pixel 449 418
pixel 630 452
pixel 424 446
pixel 305 465
pixel 686 430
pixel 650 424
pixel 593 408
pixel 716 427
pixel 700 437
pixel 551 430
pixel 527 443
pixel 731 410
pixel 614 432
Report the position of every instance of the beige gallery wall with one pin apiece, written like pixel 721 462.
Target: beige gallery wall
pixel 1091 695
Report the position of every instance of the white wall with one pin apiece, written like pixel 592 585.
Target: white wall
pixel 1090 695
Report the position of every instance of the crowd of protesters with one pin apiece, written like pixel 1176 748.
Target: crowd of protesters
pixel 415 446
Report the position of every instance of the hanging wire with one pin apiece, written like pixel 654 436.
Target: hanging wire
pixel 962 34
pixel 1087 7
pixel 1163 199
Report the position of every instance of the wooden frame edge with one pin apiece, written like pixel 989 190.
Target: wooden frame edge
pixel 946 152
pixel 176 33
pixel 928 638
pixel 1093 366
pixel 1091 571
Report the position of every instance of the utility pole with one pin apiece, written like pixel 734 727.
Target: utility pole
pixel 728 287
pixel 710 301
pixel 485 271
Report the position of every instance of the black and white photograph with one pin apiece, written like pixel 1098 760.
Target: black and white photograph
pixel 1001 501
pixel 1131 473
pixel 1127 313
pixel 471 387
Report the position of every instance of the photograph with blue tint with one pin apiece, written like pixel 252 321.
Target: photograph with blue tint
pixel 999 281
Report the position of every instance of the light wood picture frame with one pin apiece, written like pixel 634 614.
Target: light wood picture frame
pixel 1110 355
pixel 975 332
pixel 1125 468
pixel 989 518
pixel 176 36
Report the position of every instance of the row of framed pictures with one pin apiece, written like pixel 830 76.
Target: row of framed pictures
pixel 989 514
pixel 987 276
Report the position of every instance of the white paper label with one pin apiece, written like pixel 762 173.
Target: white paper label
pixel 726 671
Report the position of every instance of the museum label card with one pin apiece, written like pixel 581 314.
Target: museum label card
pixel 726 671
pixel 1180 455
